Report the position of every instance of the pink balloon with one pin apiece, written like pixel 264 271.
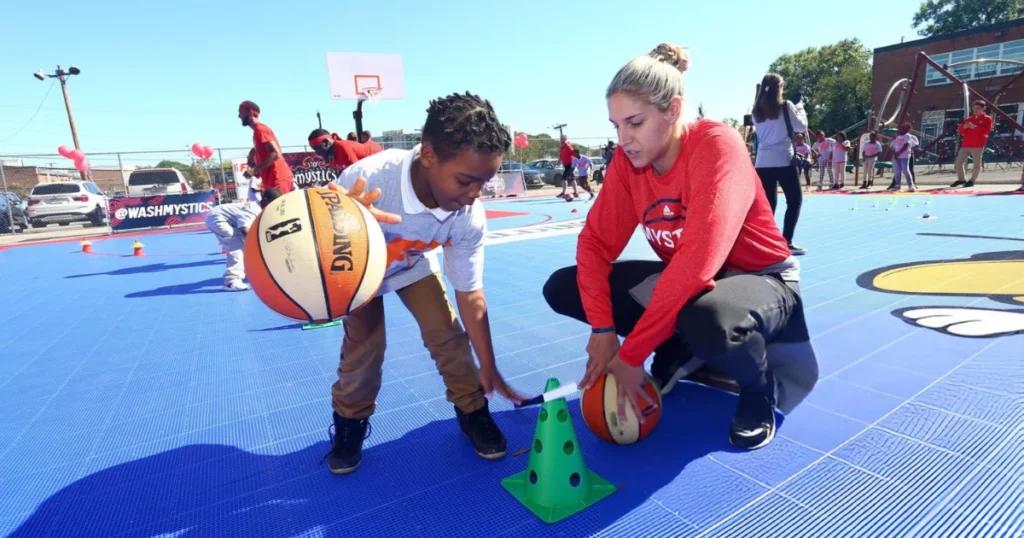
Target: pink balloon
pixel 522 141
pixel 76 154
pixel 207 152
pixel 64 151
pixel 82 165
pixel 197 150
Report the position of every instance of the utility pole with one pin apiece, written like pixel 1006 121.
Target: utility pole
pixel 560 126
pixel 62 76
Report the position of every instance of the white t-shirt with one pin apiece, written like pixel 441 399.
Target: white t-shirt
pixel 802 149
pixel 871 149
pixel 824 149
pixel 839 151
pixel 413 243
pixel 582 164
pixel 900 141
pixel 774 146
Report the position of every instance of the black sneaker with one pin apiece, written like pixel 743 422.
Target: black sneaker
pixel 754 424
pixel 959 182
pixel 969 184
pixel 797 251
pixel 479 427
pixel 347 444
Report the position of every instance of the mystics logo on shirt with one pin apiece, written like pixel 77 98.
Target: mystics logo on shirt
pixel 663 225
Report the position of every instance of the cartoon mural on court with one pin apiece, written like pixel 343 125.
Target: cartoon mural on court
pixel 998 276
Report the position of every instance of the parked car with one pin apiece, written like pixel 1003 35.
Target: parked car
pixel 12 214
pixel 551 170
pixel 157 182
pixel 66 201
pixel 600 167
pixel 534 179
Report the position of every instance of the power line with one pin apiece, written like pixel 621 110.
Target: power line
pixel 38 108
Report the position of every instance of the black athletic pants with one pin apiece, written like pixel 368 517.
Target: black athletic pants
pixel 728 327
pixel 789 179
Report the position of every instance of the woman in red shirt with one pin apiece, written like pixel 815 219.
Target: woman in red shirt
pixel 723 296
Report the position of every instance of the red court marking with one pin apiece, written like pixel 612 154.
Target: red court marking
pixel 497 214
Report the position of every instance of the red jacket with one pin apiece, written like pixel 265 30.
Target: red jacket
pixel 347 152
pixel 708 212
pixel 977 136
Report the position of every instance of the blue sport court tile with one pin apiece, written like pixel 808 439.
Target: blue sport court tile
pixel 959 434
pixel 853 401
pixel 894 382
pixel 819 429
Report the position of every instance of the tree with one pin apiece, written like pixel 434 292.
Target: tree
pixel 835 81
pixel 733 122
pixel 947 16
pixel 541 146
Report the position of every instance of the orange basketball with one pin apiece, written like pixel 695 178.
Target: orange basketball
pixel 315 255
pixel 599 404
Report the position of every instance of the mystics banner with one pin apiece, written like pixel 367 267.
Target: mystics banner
pixel 509 183
pixel 155 211
pixel 310 170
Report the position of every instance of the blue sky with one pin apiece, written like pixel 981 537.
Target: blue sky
pixel 162 76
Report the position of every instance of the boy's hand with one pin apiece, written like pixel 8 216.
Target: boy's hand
pixel 491 380
pixel 367 199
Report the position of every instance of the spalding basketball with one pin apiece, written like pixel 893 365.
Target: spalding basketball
pixel 599 404
pixel 315 255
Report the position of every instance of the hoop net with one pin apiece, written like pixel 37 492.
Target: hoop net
pixel 370 94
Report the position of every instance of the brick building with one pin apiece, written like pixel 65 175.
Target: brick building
pixel 937 101
pixel 20 179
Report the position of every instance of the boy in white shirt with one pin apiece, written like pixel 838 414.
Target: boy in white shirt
pixel 902 148
pixel 823 149
pixel 583 165
pixel 435 189
pixel 870 152
pixel 839 149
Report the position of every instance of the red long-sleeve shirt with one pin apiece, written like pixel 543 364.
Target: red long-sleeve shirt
pixel 565 154
pixel 977 136
pixel 708 212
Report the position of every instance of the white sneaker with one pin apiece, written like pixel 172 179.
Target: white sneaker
pixel 235 285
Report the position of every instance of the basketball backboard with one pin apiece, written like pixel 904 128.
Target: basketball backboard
pixel 350 74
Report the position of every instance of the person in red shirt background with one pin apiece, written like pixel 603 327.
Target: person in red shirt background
pixel 565 156
pixel 975 131
pixel 337 153
pixel 273 171
pixel 367 140
pixel 723 295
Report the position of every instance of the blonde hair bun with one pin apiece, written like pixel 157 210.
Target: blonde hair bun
pixel 673 55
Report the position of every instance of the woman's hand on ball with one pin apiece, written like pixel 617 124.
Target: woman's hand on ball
pixel 367 199
pixel 601 349
pixel 630 381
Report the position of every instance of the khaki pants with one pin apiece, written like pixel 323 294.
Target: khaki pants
pixel 961 162
pixel 354 395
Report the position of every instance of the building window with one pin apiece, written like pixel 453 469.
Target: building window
pixel 1011 50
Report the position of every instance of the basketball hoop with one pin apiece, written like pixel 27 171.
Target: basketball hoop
pixel 370 94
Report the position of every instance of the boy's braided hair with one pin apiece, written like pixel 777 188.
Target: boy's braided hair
pixel 461 121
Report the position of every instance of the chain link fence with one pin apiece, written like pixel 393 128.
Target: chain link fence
pixel 44 191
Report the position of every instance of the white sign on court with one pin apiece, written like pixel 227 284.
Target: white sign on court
pixel 351 74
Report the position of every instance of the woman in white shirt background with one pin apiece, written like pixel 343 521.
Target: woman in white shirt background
pixel 774 160
pixel 823 147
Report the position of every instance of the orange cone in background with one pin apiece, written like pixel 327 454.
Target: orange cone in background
pixel 86 247
pixel 138 248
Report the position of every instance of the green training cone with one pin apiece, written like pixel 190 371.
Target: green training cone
pixel 556 483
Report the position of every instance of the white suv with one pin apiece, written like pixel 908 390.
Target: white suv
pixel 66 201
pixel 157 182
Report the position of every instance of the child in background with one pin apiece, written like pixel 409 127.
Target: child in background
pixel 870 152
pixel 803 152
pixel 230 223
pixel 902 148
pixel 583 165
pixel 432 194
pixel 823 149
pixel 839 149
